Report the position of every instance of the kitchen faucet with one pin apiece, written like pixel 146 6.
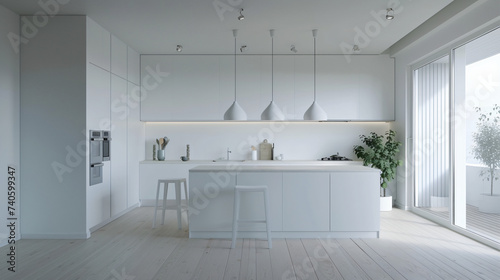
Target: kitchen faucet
pixel 227 152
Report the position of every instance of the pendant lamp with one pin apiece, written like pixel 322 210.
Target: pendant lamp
pixel 235 112
pixel 272 112
pixel 315 112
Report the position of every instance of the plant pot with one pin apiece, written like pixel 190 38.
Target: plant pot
pixel 490 203
pixel 386 203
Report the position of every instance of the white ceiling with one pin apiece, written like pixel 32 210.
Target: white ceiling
pixel 157 26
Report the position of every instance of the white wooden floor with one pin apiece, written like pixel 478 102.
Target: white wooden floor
pixel 485 224
pixel 410 247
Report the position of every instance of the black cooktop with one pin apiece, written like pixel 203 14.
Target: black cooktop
pixel 335 158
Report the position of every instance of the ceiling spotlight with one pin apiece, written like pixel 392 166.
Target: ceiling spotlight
pixel 293 49
pixel 355 48
pixel 179 48
pixel 241 17
pixel 243 48
pixel 390 14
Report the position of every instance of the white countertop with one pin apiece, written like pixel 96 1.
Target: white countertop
pixel 257 162
pixel 283 168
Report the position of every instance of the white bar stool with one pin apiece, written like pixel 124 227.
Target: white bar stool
pixel 238 189
pixel 178 206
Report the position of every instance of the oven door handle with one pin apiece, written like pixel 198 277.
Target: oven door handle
pixel 97 165
pixel 96 139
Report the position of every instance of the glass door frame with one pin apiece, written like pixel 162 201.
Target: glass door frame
pixel 449 50
pixel 430 59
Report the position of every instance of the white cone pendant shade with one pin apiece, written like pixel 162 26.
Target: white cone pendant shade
pixel 235 113
pixel 315 112
pixel 272 112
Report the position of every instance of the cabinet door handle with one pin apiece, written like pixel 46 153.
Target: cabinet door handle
pixel 97 165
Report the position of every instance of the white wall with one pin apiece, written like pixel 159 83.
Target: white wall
pixel 295 140
pixel 475 20
pixel 53 124
pixel 9 111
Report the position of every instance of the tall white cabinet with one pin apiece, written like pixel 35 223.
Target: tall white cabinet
pixel 119 67
pixel 75 78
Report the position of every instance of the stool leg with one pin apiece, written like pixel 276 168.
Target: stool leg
pixel 178 201
pixel 236 213
pixel 156 203
pixel 187 200
pixel 165 192
pixel 268 227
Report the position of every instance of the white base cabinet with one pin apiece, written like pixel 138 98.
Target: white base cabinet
pixel 326 202
pixel 306 196
pixel 358 198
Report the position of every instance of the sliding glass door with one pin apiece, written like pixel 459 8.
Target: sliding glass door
pixel 477 135
pixel 431 134
pixel 456 133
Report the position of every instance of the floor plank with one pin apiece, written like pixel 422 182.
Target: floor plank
pixel 409 247
pixel 323 266
pixel 281 262
pixel 234 261
pixel 365 262
pixel 212 264
pixel 302 265
pixel 263 260
pixel 348 268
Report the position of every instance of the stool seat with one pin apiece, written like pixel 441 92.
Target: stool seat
pixel 177 182
pixel 238 189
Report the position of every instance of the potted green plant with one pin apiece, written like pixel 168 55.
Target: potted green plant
pixel 486 149
pixel 380 152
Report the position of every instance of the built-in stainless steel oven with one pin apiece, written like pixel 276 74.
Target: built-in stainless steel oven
pixel 96 142
pixel 96 173
pixel 96 156
pixel 106 145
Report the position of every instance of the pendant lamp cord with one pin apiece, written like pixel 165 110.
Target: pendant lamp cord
pixel 234 68
pixel 314 68
pixel 272 69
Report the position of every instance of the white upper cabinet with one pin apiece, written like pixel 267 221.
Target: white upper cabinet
pixel 118 57
pixel 99 44
pixel 180 88
pixel 303 83
pixel 284 86
pixel 202 87
pixel 133 66
pixel 359 90
pixel 98 98
pixel 376 91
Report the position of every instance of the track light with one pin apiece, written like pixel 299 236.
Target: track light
pixel 179 48
pixel 241 17
pixel 355 48
pixel 390 14
pixel 243 48
pixel 293 49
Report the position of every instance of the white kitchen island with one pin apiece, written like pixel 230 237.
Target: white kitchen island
pixel 306 201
